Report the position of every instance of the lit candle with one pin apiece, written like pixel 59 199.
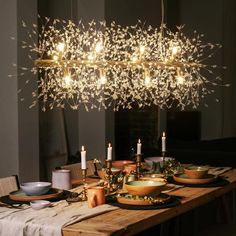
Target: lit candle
pixel 163 142
pixel 139 145
pixel 83 158
pixel 109 152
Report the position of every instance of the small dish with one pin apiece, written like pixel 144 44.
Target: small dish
pixel 196 172
pixel 39 204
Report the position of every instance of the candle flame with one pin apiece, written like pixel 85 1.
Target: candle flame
pixel 109 144
pixel 82 148
pixel 163 134
pixel 139 141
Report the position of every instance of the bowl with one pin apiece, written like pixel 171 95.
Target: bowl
pixel 35 188
pixel 150 160
pixel 196 172
pixel 102 172
pixel 129 168
pixel 119 164
pixel 153 177
pixel 145 187
pixel 39 204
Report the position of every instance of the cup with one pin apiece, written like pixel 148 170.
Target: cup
pixel 96 196
pixel 61 179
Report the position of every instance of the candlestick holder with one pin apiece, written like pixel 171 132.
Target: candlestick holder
pixel 108 175
pixel 84 193
pixel 138 165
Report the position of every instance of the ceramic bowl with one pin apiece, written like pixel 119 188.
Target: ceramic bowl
pixel 102 172
pixel 145 187
pixel 35 188
pixel 153 177
pixel 119 164
pixel 129 168
pixel 150 160
pixel 39 204
pixel 195 172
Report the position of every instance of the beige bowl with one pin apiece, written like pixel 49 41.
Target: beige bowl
pixel 145 187
pixel 102 172
pixel 195 172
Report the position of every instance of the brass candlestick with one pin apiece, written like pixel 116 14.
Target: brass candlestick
pixel 109 175
pixel 84 194
pixel 138 165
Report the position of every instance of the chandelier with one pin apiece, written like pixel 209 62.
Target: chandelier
pixel 99 66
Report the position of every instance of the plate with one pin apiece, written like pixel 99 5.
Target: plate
pixel 129 199
pixel 183 178
pixel 21 196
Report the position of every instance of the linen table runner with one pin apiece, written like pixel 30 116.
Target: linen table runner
pixel 48 221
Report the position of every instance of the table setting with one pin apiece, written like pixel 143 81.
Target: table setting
pixel 45 208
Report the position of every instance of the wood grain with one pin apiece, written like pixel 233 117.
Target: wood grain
pixel 131 222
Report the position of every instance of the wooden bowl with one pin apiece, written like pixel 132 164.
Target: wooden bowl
pixel 196 172
pixel 119 164
pixel 145 187
pixel 102 172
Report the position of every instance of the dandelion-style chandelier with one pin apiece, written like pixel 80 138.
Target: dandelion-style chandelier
pixel 100 66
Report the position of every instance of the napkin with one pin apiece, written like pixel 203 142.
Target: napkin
pixel 47 221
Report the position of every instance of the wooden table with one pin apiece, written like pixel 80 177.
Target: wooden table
pixel 131 222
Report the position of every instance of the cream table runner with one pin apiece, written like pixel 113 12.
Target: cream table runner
pixel 48 221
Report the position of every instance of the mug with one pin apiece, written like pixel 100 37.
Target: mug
pixel 61 179
pixel 96 196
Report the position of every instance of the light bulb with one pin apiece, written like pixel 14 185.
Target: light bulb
pixel 134 59
pixel 175 50
pixel 67 80
pixel 91 57
pixel 61 47
pixel 180 79
pixel 142 49
pixel 98 47
pixel 147 80
pixel 55 58
pixel 103 79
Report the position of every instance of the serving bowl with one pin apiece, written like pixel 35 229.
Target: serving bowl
pixel 102 172
pixel 196 172
pixel 119 164
pixel 150 160
pixel 145 187
pixel 39 204
pixel 35 188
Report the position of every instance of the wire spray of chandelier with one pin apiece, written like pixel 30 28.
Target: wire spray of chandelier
pixel 100 66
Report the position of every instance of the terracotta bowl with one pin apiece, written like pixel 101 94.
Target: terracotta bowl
pixel 119 164
pixel 129 168
pixel 195 172
pixel 102 172
pixel 145 187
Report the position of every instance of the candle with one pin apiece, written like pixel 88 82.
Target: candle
pixel 83 158
pixel 109 152
pixel 163 142
pixel 139 145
